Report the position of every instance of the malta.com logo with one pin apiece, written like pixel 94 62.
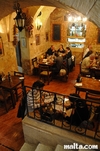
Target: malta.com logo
pixel 80 146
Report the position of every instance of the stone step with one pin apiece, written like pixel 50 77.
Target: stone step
pixel 61 148
pixel 42 147
pixel 28 147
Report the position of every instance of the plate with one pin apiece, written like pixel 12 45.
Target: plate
pixel 21 78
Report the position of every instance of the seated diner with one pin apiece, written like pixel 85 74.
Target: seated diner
pixel 87 63
pixel 61 49
pixel 50 51
pixel 58 64
pixel 68 52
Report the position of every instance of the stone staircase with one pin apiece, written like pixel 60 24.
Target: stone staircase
pixel 40 136
pixel 42 147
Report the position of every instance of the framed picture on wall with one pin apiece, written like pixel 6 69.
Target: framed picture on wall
pixel 56 32
pixel 1 47
pixel 23 42
pixel 37 38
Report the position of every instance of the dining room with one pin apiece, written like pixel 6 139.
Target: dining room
pixel 18 50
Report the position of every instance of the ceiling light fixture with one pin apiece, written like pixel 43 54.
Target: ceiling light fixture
pixel 20 17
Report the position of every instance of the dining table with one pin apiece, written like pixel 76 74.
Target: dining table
pixel 88 84
pixel 10 86
pixel 47 62
pixel 95 72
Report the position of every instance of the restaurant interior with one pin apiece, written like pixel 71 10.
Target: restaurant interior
pixel 27 30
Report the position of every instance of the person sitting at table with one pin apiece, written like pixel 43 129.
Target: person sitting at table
pixel 67 55
pixel 87 63
pixel 68 52
pixel 57 65
pixel 61 49
pixel 50 51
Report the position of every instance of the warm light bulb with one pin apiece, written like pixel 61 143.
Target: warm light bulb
pixel 75 19
pixel 79 18
pixel 70 18
pixel 84 19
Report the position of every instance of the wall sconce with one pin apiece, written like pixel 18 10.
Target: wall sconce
pixel 38 21
pixel 20 17
pixel 38 24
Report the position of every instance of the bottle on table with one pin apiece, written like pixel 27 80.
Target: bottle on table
pixel 9 77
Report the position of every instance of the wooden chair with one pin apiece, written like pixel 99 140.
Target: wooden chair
pixel 92 96
pixel 19 89
pixel 5 98
pixel 35 66
pixel 95 109
pixel 95 99
pixel 63 73
pixel 19 74
pixel 45 73
pixel 81 72
pixel 69 63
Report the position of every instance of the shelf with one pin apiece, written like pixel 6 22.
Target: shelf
pixel 75 45
pixel 76 40
pixel 80 37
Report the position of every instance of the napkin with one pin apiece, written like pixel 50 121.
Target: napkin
pixel 78 84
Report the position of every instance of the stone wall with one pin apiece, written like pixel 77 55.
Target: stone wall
pixel 8 62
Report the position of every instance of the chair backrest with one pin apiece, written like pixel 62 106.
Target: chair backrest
pixel 44 71
pixel 19 74
pixel 44 68
pixel 69 63
pixel 64 69
pixel 34 62
pixel 80 67
pixel 4 95
pixel 92 96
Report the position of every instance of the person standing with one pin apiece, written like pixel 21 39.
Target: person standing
pixel 87 52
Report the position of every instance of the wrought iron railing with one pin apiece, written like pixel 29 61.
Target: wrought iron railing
pixel 69 112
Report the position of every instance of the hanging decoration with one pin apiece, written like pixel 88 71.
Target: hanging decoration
pixel 28 25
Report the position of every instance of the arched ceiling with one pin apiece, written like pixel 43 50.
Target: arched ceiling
pixel 89 8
